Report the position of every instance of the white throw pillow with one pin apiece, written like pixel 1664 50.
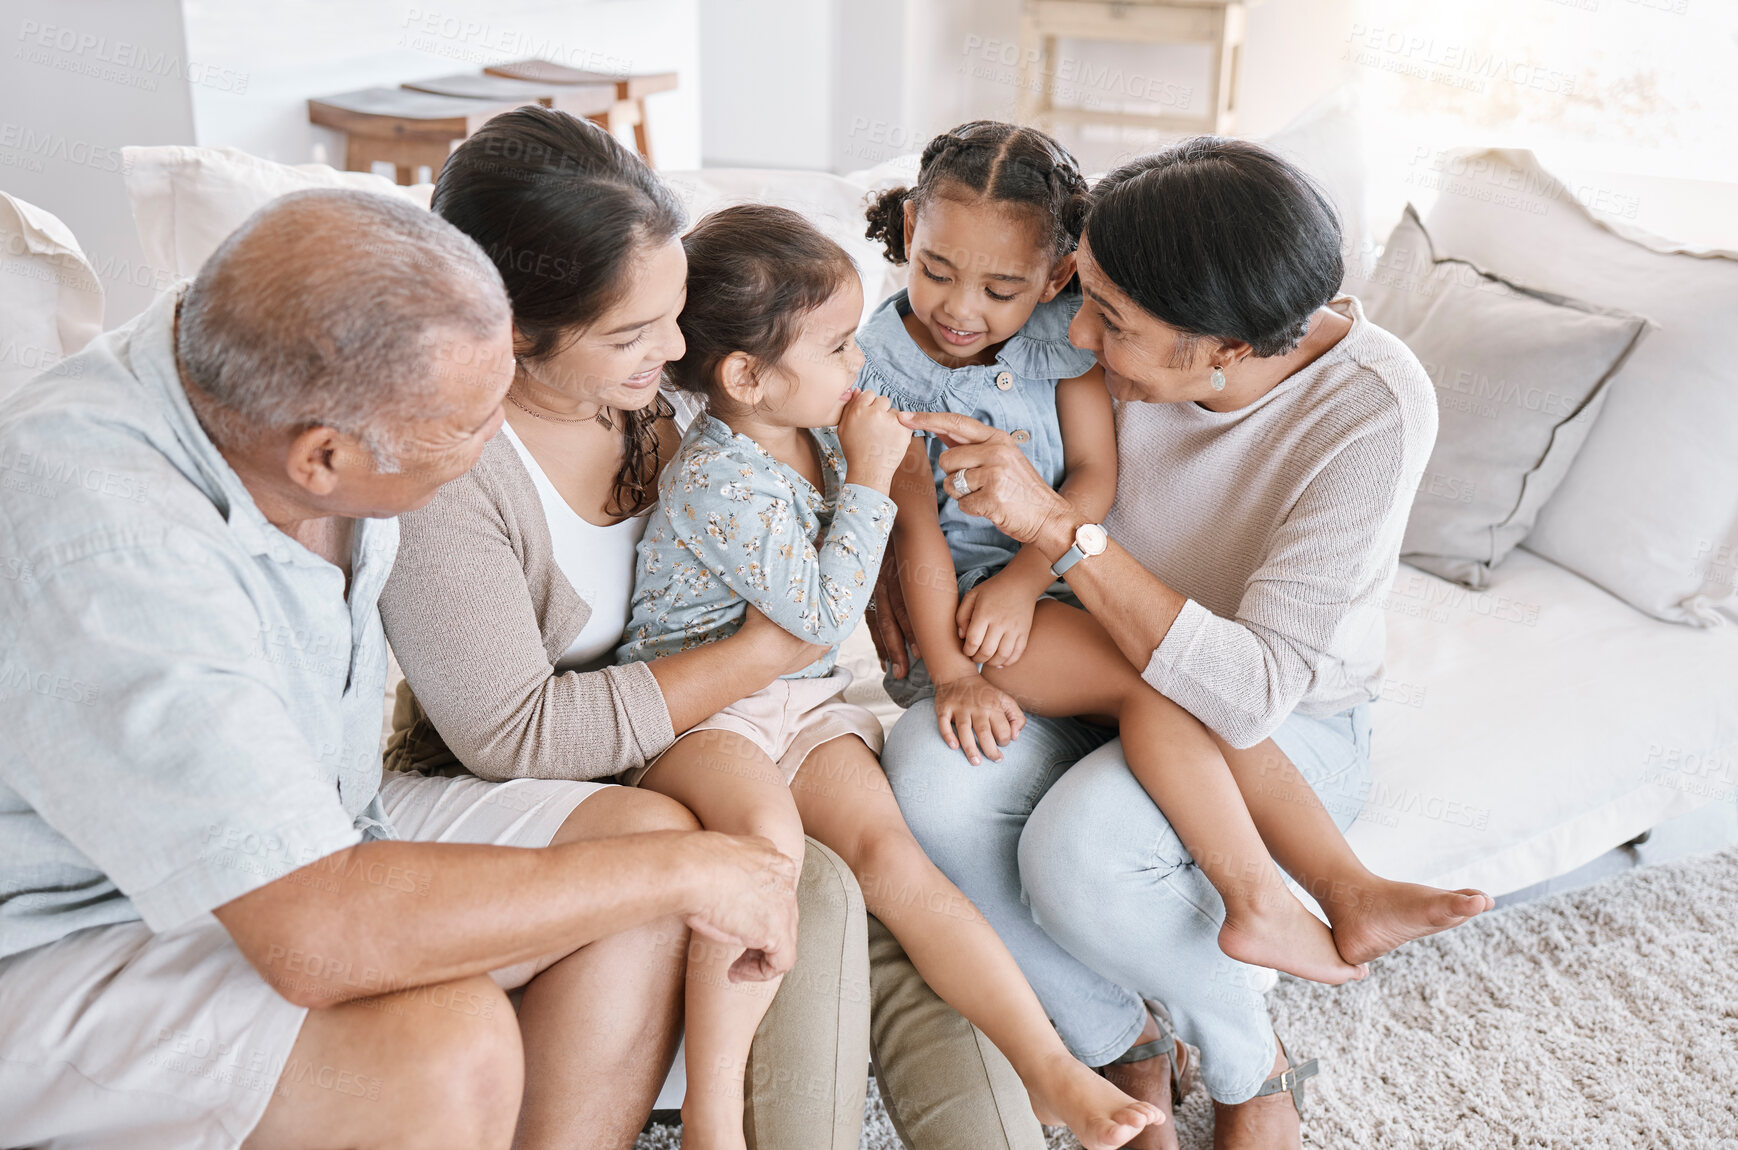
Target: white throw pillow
pixel 1327 141
pixel 51 301
pixel 1649 511
pixel 1520 379
pixel 834 204
pixel 187 200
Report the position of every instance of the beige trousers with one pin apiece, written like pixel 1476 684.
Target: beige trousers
pixel 853 991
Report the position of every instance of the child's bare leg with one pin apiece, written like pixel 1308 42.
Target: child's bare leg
pixel 731 786
pixel 1072 667
pixel 1370 916
pixel 846 803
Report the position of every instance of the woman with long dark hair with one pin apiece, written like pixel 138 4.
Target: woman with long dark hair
pixel 511 594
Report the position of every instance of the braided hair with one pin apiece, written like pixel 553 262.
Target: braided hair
pixel 996 161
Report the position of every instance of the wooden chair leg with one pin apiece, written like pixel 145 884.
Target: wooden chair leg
pixel 642 133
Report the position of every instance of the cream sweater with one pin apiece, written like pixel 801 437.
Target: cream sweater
pixel 1281 523
pixel 478 613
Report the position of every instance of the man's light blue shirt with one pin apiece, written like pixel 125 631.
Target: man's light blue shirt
pixel 190 707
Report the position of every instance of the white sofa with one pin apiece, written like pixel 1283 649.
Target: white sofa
pixel 1523 730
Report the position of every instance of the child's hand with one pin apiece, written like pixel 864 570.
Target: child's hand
pixel 983 716
pixel 874 440
pixel 994 621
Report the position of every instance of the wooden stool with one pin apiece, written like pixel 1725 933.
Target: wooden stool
pixel 403 128
pixel 584 100
pixel 1217 24
pixel 630 92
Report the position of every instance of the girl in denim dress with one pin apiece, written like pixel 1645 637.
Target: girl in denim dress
pixel 766 502
pixel 990 231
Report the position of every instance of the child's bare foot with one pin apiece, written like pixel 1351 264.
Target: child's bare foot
pixel 1373 920
pixel 1150 1081
pixel 1068 1093
pixel 1275 930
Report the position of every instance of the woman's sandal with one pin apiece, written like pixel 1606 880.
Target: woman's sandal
pixel 1184 1076
pixel 1291 1078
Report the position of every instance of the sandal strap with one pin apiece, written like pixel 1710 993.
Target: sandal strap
pixel 1165 1044
pixel 1185 1071
pixel 1290 1079
pixel 1162 1046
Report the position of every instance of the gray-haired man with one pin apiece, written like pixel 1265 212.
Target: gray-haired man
pixel 195 845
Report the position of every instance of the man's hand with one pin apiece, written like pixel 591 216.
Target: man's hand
pixel 747 897
pixel 889 622
pixel 995 620
pixel 1004 487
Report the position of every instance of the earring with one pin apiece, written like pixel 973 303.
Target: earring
pixel 1218 381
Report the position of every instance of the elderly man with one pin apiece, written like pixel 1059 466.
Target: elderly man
pixel 216 925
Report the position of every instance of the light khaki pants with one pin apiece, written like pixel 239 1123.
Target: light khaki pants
pixel 944 1085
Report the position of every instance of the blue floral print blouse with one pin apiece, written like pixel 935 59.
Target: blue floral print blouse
pixel 735 527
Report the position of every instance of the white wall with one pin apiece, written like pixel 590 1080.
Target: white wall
pixel 78 82
pixel 81 80
pixel 285 53
pixel 770 75
pixel 856 82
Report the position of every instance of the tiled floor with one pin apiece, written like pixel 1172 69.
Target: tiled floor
pixel 1708 829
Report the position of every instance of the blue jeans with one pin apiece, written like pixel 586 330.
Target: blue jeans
pixel 1091 889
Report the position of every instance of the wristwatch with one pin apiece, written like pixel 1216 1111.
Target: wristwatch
pixel 1089 539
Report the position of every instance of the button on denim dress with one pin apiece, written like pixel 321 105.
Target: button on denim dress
pixel 1016 394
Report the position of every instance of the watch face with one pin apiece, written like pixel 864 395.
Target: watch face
pixel 1091 539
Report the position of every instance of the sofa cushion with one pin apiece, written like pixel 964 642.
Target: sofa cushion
pixel 1327 141
pixel 1526 730
pixel 832 203
pixel 1520 379
pixel 186 200
pixel 1649 510
pixel 51 301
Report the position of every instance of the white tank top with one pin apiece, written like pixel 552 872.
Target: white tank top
pixel 597 561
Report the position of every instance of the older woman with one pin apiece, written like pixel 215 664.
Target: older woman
pixel 1269 438
pixel 510 595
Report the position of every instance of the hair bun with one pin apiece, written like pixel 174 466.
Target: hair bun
pixel 886 216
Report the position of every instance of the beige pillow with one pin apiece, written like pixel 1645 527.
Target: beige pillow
pixel 1650 509
pixel 51 301
pixel 1520 378
pixel 187 200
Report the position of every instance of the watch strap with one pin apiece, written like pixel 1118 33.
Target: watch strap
pixel 1069 558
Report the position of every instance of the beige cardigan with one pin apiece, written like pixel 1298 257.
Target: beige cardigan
pixel 478 612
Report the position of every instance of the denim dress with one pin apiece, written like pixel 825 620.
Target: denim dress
pixel 1016 394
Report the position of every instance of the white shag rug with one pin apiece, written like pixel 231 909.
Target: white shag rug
pixel 1600 1017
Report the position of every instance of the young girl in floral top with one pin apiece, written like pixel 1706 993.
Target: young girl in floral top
pixel 765 503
